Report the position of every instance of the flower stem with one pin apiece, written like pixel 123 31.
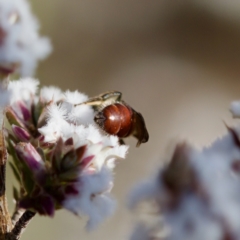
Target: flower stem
pixel 5 220
pixel 18 212
pixel 20 225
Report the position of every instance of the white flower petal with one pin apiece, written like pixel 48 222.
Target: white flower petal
pixel 51 93
pixel 93 199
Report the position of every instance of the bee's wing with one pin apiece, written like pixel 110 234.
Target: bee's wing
pixel 103 99
pixel 113 96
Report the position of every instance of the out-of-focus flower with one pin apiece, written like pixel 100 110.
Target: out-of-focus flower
pixel 5 96
pixel 197 194
pixel 60 157
pixel 235 108
pixel 20 44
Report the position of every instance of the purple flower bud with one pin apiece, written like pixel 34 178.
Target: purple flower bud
pixel 43 204
pixel 71 190
pixel 12 117
pixel 21 133
pixel 27 153
pixel 25 111
pixel 47 205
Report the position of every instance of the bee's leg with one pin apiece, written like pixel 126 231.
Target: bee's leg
pixel 121 142
pixel 91 102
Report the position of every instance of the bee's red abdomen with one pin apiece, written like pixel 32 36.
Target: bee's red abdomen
pixel 115 119
pixel 112 119
pixel 126 120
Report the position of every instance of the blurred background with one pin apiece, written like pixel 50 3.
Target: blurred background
pixel 176 62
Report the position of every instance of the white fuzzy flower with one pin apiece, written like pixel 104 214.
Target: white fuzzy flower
pixel 78 113
pixel 192 220
pixel 86 134
pixel 217 169
pixel 79 156
pixel 81 114
pixel 51 93
pixel 75 97
pixel 198 192
pixel 108 156
pixel 56 123
pixel 56 113
pixel 23 89
pixel 93 199
pixel 20 44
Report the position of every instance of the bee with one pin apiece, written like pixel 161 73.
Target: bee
pixel 117 118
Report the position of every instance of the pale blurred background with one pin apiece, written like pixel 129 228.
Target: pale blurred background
pixel 176 62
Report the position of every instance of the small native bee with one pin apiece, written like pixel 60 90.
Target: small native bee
pixel 117 118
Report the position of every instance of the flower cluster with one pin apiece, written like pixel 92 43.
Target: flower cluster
pixel 20 44
pixel 197 194
pixel 60 158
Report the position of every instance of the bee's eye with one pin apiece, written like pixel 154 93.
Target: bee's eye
pixel 13 18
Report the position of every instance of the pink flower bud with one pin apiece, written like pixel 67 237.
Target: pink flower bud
pixel 21 133
pixel 25 111
pixel 27 153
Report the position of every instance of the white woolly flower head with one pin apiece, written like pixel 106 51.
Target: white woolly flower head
pixel 70 159
pixel 23 89
pixel 56 123
pixel 20 44
pixel 75 97
pixel 94 199
pixel 50 93
pixel 78 113
pixel 197 193
pixel 56 113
